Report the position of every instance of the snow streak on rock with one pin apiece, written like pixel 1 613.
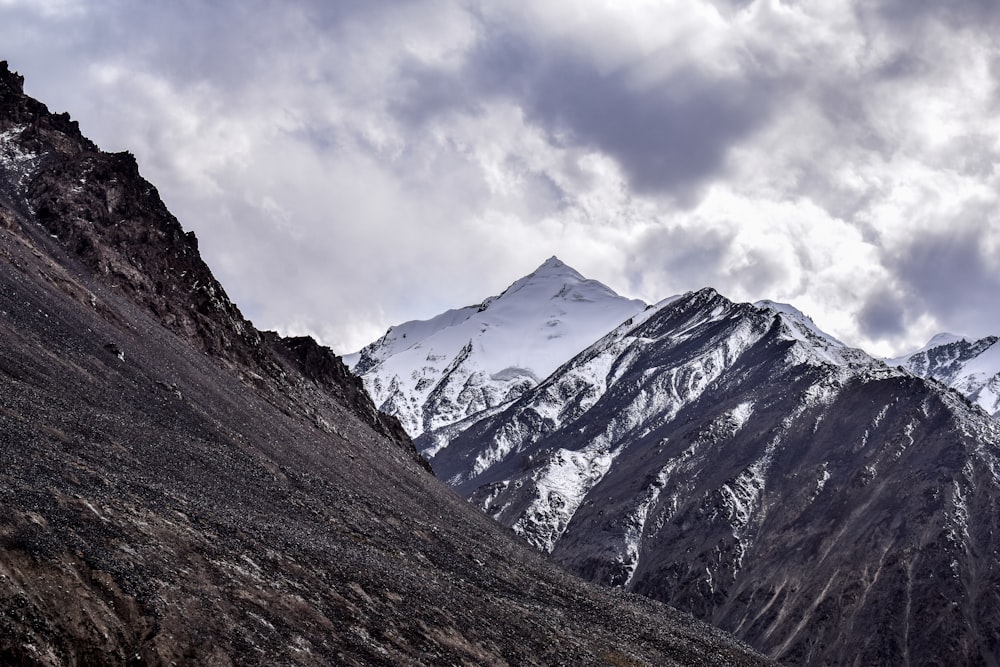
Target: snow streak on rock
pixel 635 523
pixel 16 162
pixel 560 485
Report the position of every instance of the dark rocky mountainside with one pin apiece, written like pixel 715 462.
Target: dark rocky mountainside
pixel 734 461
pixel 179 488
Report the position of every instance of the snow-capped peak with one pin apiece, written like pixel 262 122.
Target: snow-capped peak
pixel 434 372
pixel 801 325
pixel 554 274
pixel 554 265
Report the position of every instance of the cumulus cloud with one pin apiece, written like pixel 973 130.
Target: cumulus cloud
pixel 351 165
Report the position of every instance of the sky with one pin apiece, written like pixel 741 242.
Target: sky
pixel 350 165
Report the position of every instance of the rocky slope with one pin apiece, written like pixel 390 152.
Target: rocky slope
pixel 433 373
pixel 735 461
pixel 179 488
pixel 970 366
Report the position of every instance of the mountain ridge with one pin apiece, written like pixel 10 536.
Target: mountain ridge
pixel 713 454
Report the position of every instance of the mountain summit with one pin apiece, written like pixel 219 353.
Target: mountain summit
pixel 433 373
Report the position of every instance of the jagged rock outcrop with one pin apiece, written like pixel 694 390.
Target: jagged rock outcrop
pixel 179 488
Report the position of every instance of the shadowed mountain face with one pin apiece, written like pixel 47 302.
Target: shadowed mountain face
pixel 179 488
pixel 734 461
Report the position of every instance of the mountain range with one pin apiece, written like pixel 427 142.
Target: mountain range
pixel 734 460
pixel 180 488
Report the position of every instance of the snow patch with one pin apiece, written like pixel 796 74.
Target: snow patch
pixel 560 486
pixel 740 415
pixel 15 160
pixel 960 513
pixel 742 496
pixel 824 477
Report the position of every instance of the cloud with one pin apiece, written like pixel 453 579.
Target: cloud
pixel 669 125
pixel 906 14
pixel 883 315
pixel 669 139
pixel 351 165
pixel 682 259
pixel 955 273
pixel 46 8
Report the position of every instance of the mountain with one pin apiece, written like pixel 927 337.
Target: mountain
pixel 433 373
pixel 181 488
pixel 970 366
pixel 735 461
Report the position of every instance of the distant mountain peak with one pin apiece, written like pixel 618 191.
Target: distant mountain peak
pixel 553 274
pixel 553 267
pixel 431 373
pixel 944 338
pixel 965 364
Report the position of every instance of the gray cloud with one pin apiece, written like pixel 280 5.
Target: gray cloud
pixel 883 315
pixel 905 14
pixel 683 259
pixel 668 140
pixel 953 273
pixel 669 137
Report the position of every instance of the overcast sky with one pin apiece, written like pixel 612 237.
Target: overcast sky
pixel 352 165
